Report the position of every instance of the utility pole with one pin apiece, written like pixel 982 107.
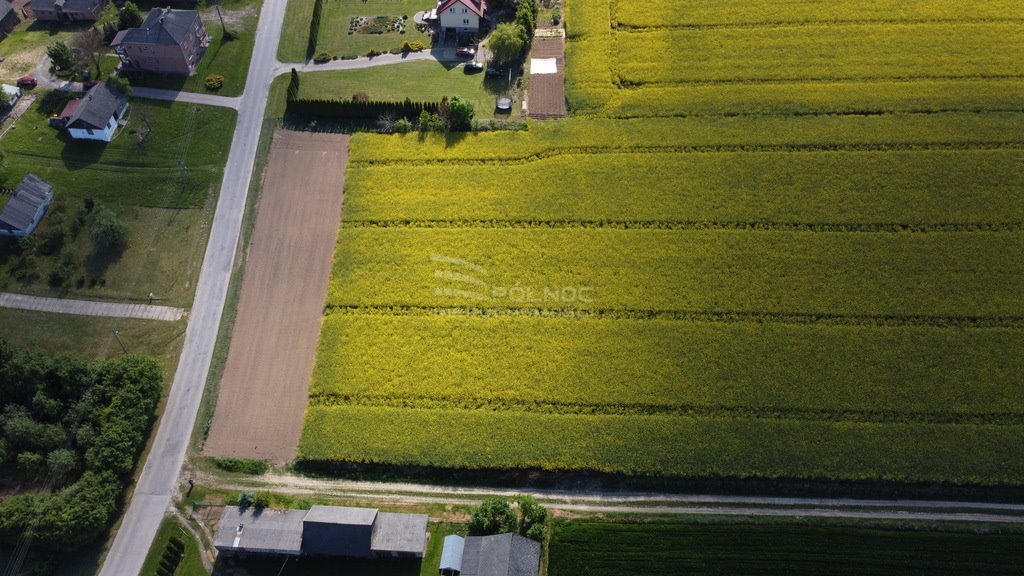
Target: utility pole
pixel 118 336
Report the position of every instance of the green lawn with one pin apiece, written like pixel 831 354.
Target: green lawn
pixel 421 80
pixel 27 43
pixel 228 58
pixel 334 38
pixel 611 549
pixel 191 564
pixel 164 189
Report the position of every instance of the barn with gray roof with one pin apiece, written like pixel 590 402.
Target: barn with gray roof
pixel 337 531
pixel 498 555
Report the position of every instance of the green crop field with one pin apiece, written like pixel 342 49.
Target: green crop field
pixel 610 549
pixel 799 255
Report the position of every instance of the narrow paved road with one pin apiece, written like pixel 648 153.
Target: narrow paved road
pixel 175 96
pixel 90 308
pixel 158 480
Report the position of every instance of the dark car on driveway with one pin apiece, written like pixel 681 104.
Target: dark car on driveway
pixel 473 66
pixel 27 82
pixel 465 51
pixel 495 72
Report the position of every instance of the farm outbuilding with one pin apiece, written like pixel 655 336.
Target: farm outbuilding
pixel 451 555
pixel 336 531
pixel 498 555
pixel 25 208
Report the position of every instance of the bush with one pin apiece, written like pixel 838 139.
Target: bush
pixel 373 52
pixel 556 16
pixel 241 465
pixel 322 57
pixel 108 233
pixel 61 274
pixel 214 82
pixel 261 500
pixel 492 516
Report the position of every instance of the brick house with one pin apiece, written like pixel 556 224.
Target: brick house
pixel 67 10
pixel 168 42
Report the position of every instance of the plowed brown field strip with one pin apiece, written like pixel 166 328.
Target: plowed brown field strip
pixel 264 388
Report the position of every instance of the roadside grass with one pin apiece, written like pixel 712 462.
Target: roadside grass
pixel 420 80
pixel 228 57
pixel 27 43
pixel 92 336
pixel 191 564
pixel 334 38
pixel 653 549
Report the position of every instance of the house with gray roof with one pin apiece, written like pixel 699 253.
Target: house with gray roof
pixel 25 208
pixel 96 115
pixel 498 555
pixel 67 10
pixel 168 42
pixel 8 18
pixel 335 531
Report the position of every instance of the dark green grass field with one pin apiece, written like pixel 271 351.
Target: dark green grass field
pixel 614 549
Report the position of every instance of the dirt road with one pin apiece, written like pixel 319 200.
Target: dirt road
pixel 263 391
pixel 636 502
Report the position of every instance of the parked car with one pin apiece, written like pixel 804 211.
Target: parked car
pixel 474 66
pixel 495 72
pixel 465 51
pixel 27 82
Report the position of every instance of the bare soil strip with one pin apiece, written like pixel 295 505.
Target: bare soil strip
pixel 263 392
pixel 547 91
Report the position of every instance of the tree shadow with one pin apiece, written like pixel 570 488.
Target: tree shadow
pixel 98 262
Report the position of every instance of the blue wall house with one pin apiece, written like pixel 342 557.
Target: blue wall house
pixel 25 208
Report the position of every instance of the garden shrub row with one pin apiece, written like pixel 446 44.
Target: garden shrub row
pixel 359 110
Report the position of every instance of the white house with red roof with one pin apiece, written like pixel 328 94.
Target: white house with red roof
pixel 461 16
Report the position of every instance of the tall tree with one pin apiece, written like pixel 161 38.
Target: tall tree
pixel 506 43
pixel 61 55
pixel 92 48
pixel 129 16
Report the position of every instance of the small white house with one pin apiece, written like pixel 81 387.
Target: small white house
pixel 96 115
pixel 9 94
pixel 461 16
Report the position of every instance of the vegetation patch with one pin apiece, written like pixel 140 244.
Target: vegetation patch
pixel 72 429
pixel 656 549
